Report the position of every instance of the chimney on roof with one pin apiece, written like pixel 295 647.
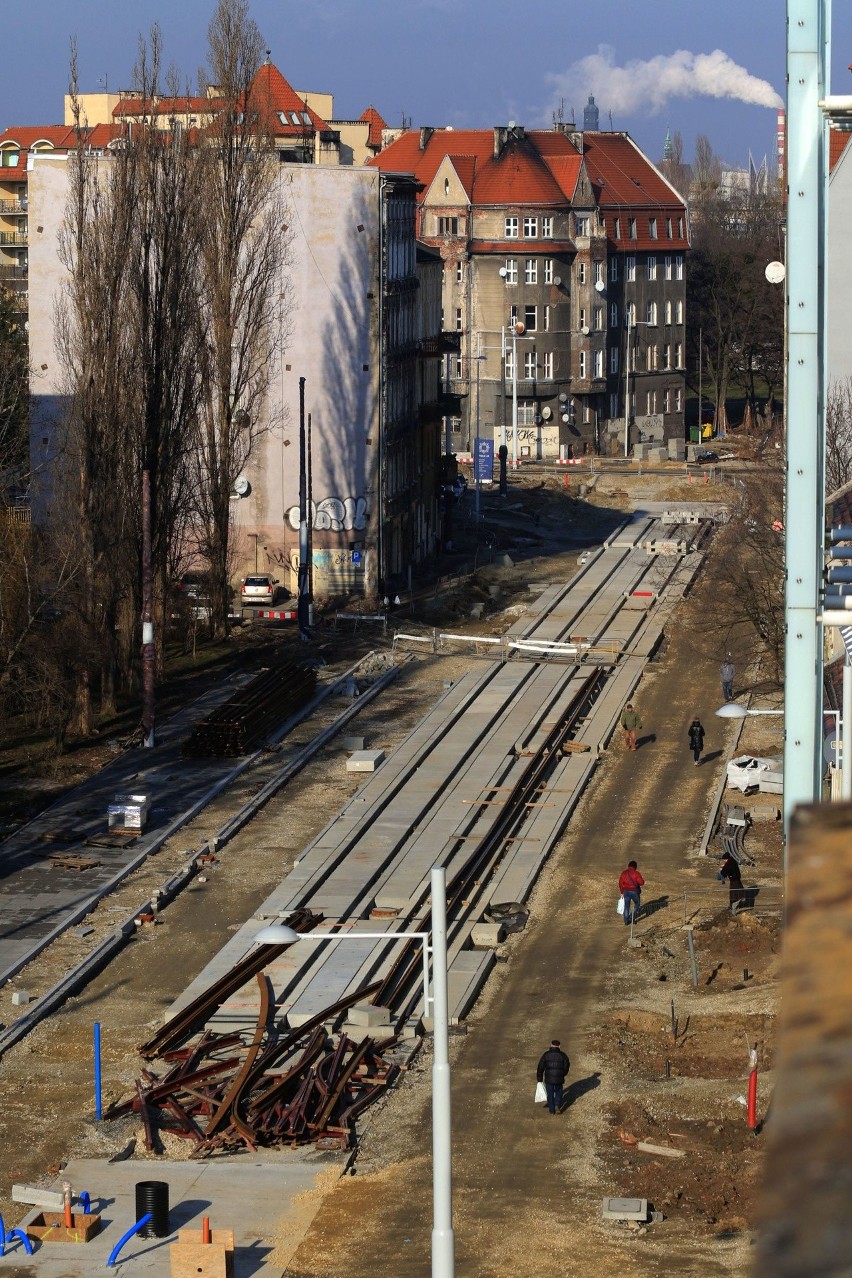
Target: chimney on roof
pixel 425 134
pixel 500 135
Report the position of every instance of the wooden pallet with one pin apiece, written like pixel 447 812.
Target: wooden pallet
pixel 73 861
pixel 114 839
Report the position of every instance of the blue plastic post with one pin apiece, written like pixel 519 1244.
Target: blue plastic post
pixel 98 1110
pixel 85 1202
pixel 2 1237
pixel 140 1224
pixel 19 1233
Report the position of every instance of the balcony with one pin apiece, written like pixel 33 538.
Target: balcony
pixel 14 272
pixel 8 238
pixel 13 206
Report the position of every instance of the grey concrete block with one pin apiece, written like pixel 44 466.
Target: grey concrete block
pixel 352 743
pixel 625 1209
pixel 20 998
pixel 487 935
pixel 359 1032
pixel 368 1014
pixel 82 931
pixel 50 1200
pixel 364 760
pixel 764 812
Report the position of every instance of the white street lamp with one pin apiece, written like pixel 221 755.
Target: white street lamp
pixel 631 324
pixel 443 1240
pixel 735 711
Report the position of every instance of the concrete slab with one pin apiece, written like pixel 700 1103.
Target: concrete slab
pixel 265 1200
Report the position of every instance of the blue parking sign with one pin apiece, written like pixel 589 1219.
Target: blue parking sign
pixel 483 460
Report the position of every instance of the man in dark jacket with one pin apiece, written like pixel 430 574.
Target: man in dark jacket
pixel 696 740
pixel 552 1068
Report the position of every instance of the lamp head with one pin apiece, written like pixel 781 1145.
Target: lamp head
pixel 732 711
pixel 276 934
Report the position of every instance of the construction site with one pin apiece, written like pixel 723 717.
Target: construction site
pixel 267 1096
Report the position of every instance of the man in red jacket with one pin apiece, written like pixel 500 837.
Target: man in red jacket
pixel 630 884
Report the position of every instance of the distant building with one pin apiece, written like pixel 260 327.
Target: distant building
pixel 551 242
pixel 838 272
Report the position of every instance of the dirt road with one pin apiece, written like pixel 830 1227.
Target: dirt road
pixel 528 1186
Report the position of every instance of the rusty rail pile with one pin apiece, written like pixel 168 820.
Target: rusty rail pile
pixel 243 722
pixel 223 1097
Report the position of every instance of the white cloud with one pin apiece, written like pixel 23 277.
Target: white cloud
pixel 649 86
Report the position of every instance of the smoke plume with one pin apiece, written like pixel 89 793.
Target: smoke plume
pixel 650 85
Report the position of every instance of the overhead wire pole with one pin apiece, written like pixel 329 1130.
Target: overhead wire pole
pixel 303 602
pixel 808 40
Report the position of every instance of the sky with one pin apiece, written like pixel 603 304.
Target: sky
pixel 715 67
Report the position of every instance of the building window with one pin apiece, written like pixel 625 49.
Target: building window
pixel 613 359
pixel 652 268
pixel 582 364
pixel 531 318
pixel 651 402
pixel 448 226
pixel 599 363
pixel 613 315
pixel 613 269
pixel 511 276
pixel 667 355
pixel 581 224
pixel 651 313
pixel 511 228
pixel 630 314
pixel 667 268
pixel 616 228
pixel 678 267
pixel 652 228
pixel 631 270
pixel 530 227
pixel 545 318
pixel 680 228
pixel 548 365
pixel 598 317
pixel 631 228
pixel 667 401
pixel 651 358
pixel 667 312
pixel 678 312
pixel 548 270
pixel 678 400
pixel 678 353
pixel 581 272
pixel 600 272
pixel 457 367
pixel 531 271
pixel 581 317
pixel 529 365
pixel 459 273
pixel 547 228
pixel 458 319
pixel 613 406
pixel 668 228
pixel 510 364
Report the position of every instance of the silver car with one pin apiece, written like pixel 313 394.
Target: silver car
pixel 261 589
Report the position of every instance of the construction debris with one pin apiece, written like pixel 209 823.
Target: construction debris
pixel 244 722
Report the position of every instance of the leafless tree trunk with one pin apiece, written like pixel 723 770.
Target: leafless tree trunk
pixel 838 435
pixel 244 251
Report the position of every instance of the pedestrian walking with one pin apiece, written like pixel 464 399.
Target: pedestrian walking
pixel 730 870
pixel 696 740
pixel 726 674
pixel 630 884
pixel 551 1071
pixel 631 723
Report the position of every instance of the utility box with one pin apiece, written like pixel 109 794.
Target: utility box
pixel 364 760
pixel 189 1256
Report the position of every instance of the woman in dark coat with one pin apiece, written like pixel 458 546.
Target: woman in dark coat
pixel 696 739
pixel 731 871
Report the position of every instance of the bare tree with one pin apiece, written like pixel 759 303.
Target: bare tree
pixel 838 435
pixel 244 251
pixel 675 168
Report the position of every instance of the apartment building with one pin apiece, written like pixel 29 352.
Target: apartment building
pixel 564 279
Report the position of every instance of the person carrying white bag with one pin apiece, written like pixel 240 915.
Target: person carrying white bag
pixel 550 1076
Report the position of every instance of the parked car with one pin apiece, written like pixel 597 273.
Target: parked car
pixel 705 455
pixel 259 589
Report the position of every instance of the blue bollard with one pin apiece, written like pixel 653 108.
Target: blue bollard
pixel 97 1046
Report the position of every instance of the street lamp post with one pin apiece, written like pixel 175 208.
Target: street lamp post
pixel 478 358
pixel 443 1238
pixel 631 324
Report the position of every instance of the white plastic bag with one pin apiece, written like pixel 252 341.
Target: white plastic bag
pixel 540 1093
pixel 619 909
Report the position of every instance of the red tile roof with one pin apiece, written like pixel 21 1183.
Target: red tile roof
pixel 626 183
pixel 836 146
pixel 273 94
pixel 376 123
pixel 538 169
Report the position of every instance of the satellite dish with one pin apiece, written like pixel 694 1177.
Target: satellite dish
pixel 775 272
pixel 520 329
pixel 242 487
pixel 547 412
pixel 600 286
pixel 563 398
pixel 584 329
pixel 566 417
pixel 557 280
pixel 511 124
pixel 502 272
pixel 829 745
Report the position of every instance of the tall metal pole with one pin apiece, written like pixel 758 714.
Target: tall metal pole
pixel 514 398
pixel 443 1241
pixel 304 554
pixel 504 452
pixel 149 669
pixel 310 525
pixel 476 458
pixel 807 63
pixel 845 733
pixel 700 387
pixel 627 386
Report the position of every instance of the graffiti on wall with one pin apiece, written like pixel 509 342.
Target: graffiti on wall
pixel 333 514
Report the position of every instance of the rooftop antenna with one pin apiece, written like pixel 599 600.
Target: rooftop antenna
pixel 268 56
pixel 559 114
